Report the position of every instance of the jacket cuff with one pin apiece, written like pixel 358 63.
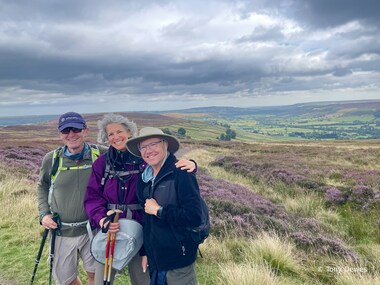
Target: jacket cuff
pixel 196 166
pixel 142 251
pixel 42 215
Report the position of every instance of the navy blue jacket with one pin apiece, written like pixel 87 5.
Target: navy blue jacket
pixel 166 240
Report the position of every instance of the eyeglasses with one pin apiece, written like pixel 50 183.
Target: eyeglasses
pixel 66 131
pixel 149 146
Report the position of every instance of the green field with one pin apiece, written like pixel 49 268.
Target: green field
pixel 333 121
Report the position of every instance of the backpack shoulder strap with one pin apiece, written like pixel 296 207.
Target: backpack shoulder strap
pixel 55 163
pixel 95 151
pixel 106 169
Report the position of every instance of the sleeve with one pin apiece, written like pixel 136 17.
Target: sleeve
pixel 188 212
pixel 141 201
pixel 196 166
pixel 139 191
pixel 95 204
pixel 43 185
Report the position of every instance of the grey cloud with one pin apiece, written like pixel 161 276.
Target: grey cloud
pixel 327 13
pixel 209 49
pixel 263 34
pixel 342 72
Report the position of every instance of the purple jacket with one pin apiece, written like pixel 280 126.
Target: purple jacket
pixel 97 196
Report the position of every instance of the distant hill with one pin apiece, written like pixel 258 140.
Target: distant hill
pixel 322 120
pixel 310 109
pixel 344 120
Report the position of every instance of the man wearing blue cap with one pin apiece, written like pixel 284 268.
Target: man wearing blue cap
pixel 63 179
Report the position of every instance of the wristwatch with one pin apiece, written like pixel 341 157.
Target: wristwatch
pixel 159 212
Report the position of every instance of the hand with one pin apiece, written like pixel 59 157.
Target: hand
pixel 113 228
pixel 185 164
pixel 48 222
pixel 151 206
pixel 144 263
pixel 101 222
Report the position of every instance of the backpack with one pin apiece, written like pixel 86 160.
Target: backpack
pixel 200 233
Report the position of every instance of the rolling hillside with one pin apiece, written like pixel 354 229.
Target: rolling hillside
pixel 325 120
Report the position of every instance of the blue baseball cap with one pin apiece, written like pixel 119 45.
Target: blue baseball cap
pixel 71 119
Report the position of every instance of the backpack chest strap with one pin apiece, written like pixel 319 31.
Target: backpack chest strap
pixel 125 208
pixel 123 173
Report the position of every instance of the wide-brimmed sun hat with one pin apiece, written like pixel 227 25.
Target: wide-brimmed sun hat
pixel 150 132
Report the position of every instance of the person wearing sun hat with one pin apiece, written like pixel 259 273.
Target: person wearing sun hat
pixel 171 202
pixel 149 132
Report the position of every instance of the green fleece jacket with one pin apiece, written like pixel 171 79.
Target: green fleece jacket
pixel 68 194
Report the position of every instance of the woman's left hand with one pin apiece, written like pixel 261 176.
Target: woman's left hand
pixel 185 164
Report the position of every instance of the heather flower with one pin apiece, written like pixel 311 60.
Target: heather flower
pixel 376 198
pixel 301 239
pixel 307 223
pixel 335 196
pixel 26 158
pixel 323 245
pixel 336 247
pixel 361 194
pixel 285 176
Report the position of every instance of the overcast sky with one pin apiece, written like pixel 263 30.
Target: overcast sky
pixel 103 56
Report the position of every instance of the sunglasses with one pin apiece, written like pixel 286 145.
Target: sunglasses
pixel 74 130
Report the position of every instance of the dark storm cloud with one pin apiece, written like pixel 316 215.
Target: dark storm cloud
pixel 157 49
pixel 327 13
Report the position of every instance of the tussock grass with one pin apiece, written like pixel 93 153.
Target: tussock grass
pixel 264 259
pixel 308 205
pixel 349 273
pixel 220 250
pixel 331 220
pixel 357 279
pixel 274 251
pixel 359 225
pixel 246 274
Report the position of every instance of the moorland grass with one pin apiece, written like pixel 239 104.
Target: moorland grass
pixel 349 222
pixel 246 274
pixel 278 254
pixel 227 258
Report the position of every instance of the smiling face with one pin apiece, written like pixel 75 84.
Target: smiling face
pixel 74 141
pixel 118 136
pixel 154 151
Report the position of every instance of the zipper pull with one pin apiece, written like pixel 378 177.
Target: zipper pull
pixel 183 250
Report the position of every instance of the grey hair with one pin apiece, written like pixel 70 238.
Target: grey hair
pixel 114 118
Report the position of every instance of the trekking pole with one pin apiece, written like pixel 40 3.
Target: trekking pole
pixel 105 273
pixel 53 234
pixel 113 239
pixel 44 236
